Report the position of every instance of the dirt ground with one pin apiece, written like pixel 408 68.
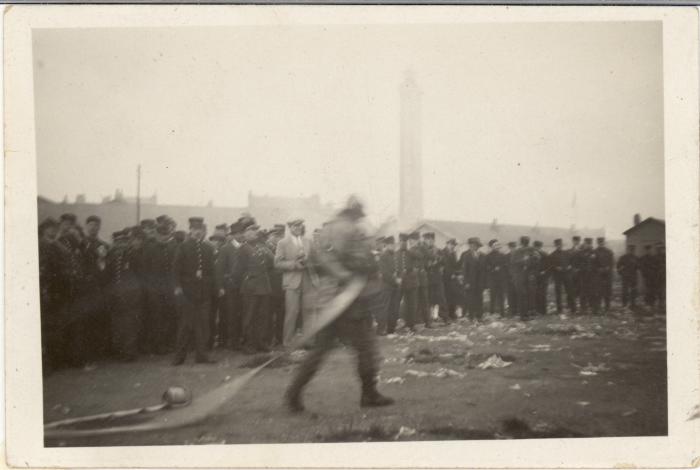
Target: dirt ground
pixel 554 376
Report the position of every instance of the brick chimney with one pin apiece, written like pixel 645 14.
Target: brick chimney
pixel 637 219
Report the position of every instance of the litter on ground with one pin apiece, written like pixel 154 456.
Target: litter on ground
pixel 494 362
pixel 404 431
pixel 441 373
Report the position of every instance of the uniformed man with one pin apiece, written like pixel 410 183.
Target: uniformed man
pixel 76 312
pixel 421 256
pixel 512 290
pixel 526 261
pixel 193 273
pixel 559 268
pixel 627 268
pixel 255 266
pixel 605 264
pixel 451 273
pixel 436 285
pixel 407 278
pixel 386 323
pixel 94 254
pixel 589 277
pixel 473 272
pixel 275 234
pixel 575 280
pixel 496 265
pixel 216 240
pixel 228 285
pixel 648 266
pixel 350 255
pixel 146 233
pixel 52 269
pixel 124 294
pixel 161 320
pixel 542 279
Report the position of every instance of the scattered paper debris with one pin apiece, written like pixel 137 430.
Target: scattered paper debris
pixel 404 431
pixel 583 403
pixel 515 387
pixel 591 369
pixel 541 347
pixel 441 373
pixel 494 362
pixel 586 334
pixel 395 380
pixel 416 373
pixel 630 412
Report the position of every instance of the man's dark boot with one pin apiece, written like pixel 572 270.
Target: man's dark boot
pixel 375 398
pixel 371 397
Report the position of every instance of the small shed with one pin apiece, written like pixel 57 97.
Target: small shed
pixel 650 231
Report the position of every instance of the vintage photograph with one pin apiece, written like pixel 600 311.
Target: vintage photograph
pixel 500 194
pixel 356 231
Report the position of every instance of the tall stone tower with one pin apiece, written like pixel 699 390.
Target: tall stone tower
pixel 410 161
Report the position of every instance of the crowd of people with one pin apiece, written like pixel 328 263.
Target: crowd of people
pixel 158 290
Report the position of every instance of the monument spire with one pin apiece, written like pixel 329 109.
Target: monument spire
pixel 410 158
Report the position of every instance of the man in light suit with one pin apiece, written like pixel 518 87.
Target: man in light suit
pixel 293 258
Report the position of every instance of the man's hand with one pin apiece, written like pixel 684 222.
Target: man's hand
pixel 222 292
pixel 178 291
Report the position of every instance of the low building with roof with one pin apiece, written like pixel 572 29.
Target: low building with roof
pixel 650 231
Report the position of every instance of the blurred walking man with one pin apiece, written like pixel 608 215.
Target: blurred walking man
pixel 350 255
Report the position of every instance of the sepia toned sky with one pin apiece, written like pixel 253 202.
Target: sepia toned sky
pixel 516 118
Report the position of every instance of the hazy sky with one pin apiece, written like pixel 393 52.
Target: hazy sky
pixel 516 118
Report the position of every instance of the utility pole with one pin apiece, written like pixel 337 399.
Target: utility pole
pixel 138 194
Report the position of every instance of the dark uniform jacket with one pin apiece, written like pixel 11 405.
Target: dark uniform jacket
pixel 193 269
pixel 589 261
pixel 526 261
pixel 52 275
pixel 450 264
pixel 627 266
pixel 123 271
pixel 74 265
pixel 277 289
pixel 255 267
pixel 605 260
pixel 387 267
pixel 648 266
pixel 558 263
pixel 226 275
pixel 473 269
pixel 435 264
pixel 407 268
pixel 496 266
pixel 420 255
pixel 576 259
pixel 158 259
pixel 93 272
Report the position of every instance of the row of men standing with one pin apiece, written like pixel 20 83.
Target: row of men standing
pixel 158 290
pixel 418 276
